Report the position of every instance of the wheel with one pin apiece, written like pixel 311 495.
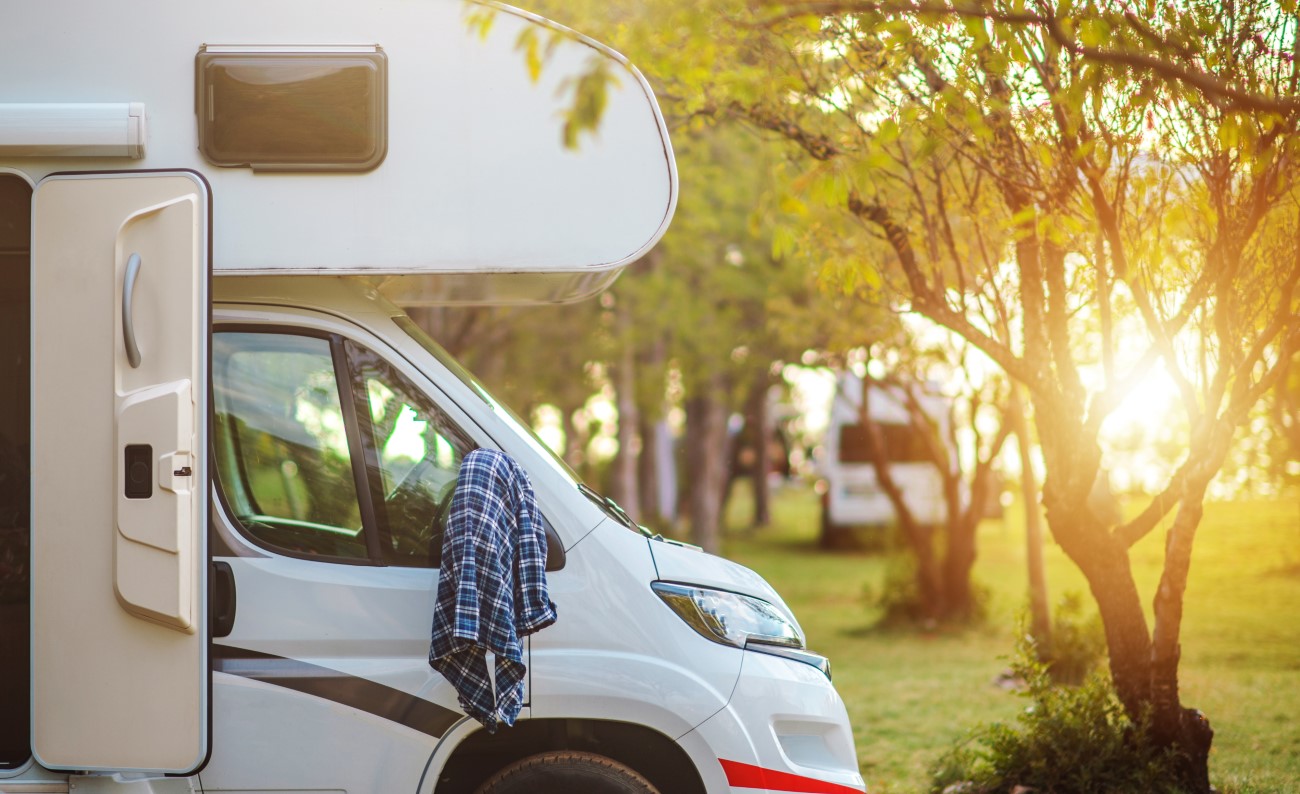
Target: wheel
pixel 567 772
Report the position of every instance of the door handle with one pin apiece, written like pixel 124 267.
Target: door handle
pixel 223 599
pixel 128 320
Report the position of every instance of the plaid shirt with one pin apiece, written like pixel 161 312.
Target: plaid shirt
pixel 491 587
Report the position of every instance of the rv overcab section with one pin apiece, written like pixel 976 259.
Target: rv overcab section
pixel 143 153
pixel 393 140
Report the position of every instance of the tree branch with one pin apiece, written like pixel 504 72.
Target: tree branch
pixel 1142 524
pixel 1209 85
pixel 929 301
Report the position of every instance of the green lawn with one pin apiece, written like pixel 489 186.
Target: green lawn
pixel 910 695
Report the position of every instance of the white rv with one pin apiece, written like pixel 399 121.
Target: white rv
pixel 851 492
pixel 225 452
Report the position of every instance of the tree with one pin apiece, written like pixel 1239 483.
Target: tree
pixel 961 432
pixel 1128 180
pixel 707 303
pixel 1122 176
pixel 1144 167
pixel 690 328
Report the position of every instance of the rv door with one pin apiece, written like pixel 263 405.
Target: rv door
pixel 120 330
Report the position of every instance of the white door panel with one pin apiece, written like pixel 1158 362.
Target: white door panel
pixel 119 552
pixel 154 550
pixel 327 660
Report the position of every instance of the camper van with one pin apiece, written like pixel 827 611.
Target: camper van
pixel 226 452
pixel 851 493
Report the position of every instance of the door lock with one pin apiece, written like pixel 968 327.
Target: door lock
pixel 139 471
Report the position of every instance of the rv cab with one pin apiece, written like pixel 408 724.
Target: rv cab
pixel 227 453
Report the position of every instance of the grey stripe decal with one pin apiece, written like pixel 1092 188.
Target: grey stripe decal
pixel 349 690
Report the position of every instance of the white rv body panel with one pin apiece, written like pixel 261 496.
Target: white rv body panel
pixel 323 682
pixel 617 655
pixel 337 426
pixel 477 178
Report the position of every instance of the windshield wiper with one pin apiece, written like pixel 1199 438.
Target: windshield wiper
pixel 613 508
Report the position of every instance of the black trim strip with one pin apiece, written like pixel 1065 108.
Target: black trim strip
pixel 382 701
pixel 361 479
pixel 367 449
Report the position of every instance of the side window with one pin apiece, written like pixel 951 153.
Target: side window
pixel 281 444
pixel 414 454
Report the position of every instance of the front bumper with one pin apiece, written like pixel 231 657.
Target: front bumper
pixel 784 729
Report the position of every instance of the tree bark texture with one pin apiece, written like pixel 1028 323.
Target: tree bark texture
pixel 650 364
pixel 756 416
pixel 624 488
pixel 647 473
pixel 1143 665
pixel 919 537
pixel 1039 614
pixel 706 462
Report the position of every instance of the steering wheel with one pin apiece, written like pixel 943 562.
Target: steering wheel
pixel 417 510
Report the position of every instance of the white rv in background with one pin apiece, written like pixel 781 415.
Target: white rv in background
pixel 226 452
pixel 851 492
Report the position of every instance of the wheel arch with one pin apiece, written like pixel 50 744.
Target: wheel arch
pixel 652 754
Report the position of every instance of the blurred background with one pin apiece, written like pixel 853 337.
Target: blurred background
pixel 975 332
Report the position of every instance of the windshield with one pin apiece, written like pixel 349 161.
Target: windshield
pixel 521 427
pixel 609 506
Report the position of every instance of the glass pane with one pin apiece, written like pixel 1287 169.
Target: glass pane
pixel 299 111
pixel 903 444
pixel 281 444
pixel 521 428
pixel 418 450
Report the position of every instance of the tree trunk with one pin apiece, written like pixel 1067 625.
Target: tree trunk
pixel 1143 664
pixel 1040 619
pixel 647 473
pixel 574 453
pixel 1172 725
pixel 919 537
pixel 756 417
pixel 706 458
pixel 929 581
pixel 650 403
pixel 1110 579
pixel 623 483
pixel 958 561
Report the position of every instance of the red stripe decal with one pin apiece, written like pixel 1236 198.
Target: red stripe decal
pixel 748 776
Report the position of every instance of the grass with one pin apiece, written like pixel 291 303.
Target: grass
pixel 912 694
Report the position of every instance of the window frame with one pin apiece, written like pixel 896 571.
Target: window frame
pixel 362 445
pixel 370 444
pixel 347 405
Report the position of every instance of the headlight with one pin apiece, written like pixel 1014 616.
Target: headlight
pixel 730 618
pixel 740 621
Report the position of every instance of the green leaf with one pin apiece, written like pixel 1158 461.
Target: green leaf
pixel 977 30
pixel 530 43
pixel 793 206
pixel 1094 32
pixel 784 242
pixel 887 132
pixel 1230 131
pixel 480 22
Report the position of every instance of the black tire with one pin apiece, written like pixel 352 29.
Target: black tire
pixel 567 772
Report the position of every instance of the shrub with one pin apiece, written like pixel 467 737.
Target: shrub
pixel 899 599
pixel 1069 740
pixel 897 596
pixel 1078 642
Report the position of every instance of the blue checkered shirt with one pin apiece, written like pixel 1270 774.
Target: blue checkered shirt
pixel 491 586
